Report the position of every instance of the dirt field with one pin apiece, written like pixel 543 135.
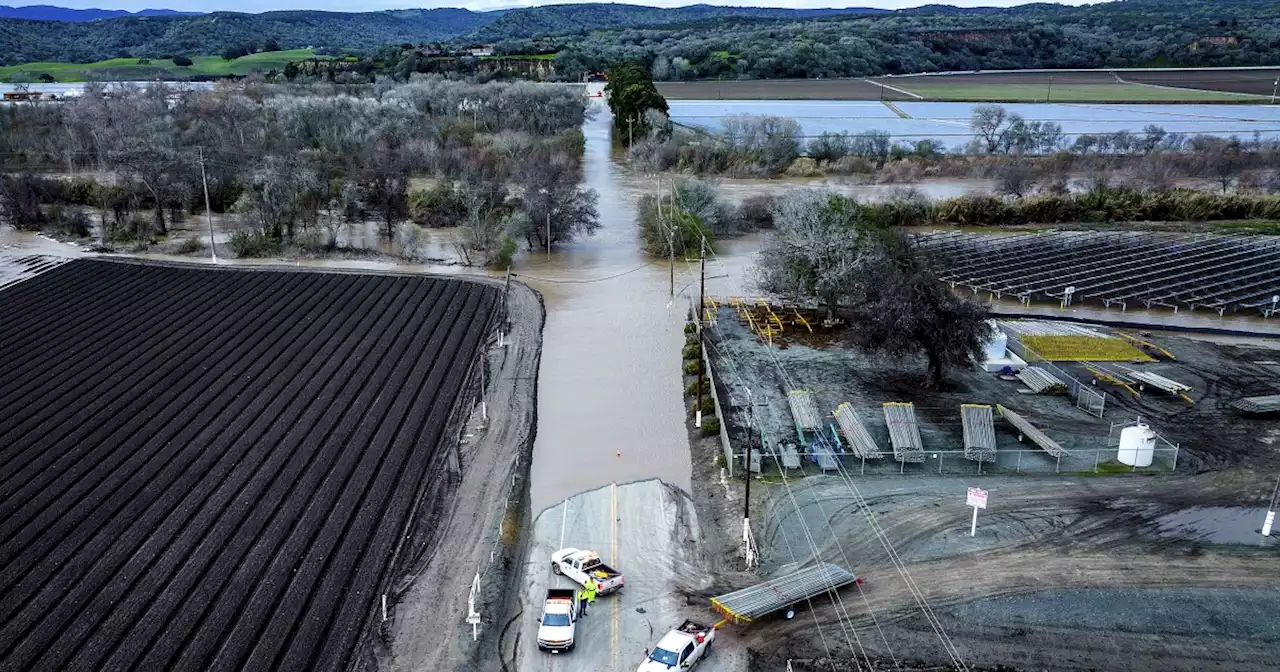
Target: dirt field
pixel 208 469
pixel 1067 571
pixel 780 89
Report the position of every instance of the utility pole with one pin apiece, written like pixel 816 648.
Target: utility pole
pixel 1048 97
pixel 1271 510
pixel 746 498
pixel 630 135
pixel 671 249
pixel 702 299
pixel 548 233
pixel 1274 87
pixel 208 211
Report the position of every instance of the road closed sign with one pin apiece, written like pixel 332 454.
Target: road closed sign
pixel 977 498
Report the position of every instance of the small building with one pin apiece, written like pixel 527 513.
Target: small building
pixel 19 96
pixel 483 50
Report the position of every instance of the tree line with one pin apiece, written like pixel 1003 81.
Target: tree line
pixel 297 163
pixel 1018 153
pixel 1131 33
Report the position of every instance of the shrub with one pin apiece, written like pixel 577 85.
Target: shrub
pixel 692 352
pixel 182 61
pixel 710 426
pixel 708 403
pixel 692 367
pixel 71 222
pixel 690 328
pixel 253 243
pixel 692 389
pixel 192 245
pixel 503 255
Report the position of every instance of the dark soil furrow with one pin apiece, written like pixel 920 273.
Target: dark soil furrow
pixel 83 449
pixel 158 363
pixel 297 557
pixel 207 467
pixel 195 601
pixel 67 284
pixel 162 466
pixel 201 525
pixel 74 345
pixel 370 569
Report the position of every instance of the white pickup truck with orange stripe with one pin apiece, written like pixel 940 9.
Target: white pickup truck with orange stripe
pixel 578 565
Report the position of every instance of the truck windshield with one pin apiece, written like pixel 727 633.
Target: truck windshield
pixel 556 620
pixel 664 656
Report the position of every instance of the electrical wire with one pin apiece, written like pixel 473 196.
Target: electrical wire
pixel 930 616
pixel 837 601
pixel 587 281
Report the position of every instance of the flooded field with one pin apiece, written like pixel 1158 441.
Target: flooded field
pixel 948 123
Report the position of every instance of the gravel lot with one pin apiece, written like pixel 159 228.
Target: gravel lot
pixel 1066 572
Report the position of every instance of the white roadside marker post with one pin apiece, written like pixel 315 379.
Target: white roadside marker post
pixel 977 498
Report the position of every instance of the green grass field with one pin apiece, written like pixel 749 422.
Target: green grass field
pixel 129 68
pixel 1061 93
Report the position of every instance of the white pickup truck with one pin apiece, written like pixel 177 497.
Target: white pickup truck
pixel 559 621
pixel 577 565
pixel 680 649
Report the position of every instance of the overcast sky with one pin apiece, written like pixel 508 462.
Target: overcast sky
pixel 373 5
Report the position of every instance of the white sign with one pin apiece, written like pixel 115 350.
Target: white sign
pixel 977 498
pixel 1266 527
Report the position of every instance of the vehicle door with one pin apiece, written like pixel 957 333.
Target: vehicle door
pixel 689 656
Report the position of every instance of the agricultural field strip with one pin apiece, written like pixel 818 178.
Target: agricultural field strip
pixel 176 519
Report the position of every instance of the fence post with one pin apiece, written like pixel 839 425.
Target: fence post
pixel 940 456
pixel 1018 469
pixel 1097 454
pixel 1175 457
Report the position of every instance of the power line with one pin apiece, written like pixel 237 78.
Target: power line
pixel 930 616
pixel 837 601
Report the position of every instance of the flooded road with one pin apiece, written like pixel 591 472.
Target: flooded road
pixel 609 389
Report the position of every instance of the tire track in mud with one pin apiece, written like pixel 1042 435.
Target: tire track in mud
pixel 163 472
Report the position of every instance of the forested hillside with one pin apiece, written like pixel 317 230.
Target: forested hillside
pixel 702 41
pixel 1130 33
pixel 161 36
pixel 535 22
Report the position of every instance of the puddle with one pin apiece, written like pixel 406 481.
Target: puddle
pixel 1217 525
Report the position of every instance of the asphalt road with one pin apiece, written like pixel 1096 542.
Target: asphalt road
pixel 646 530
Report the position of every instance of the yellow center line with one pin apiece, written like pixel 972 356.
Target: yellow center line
pixel 613 560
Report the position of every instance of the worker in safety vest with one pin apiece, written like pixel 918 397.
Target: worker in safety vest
pixel 588 593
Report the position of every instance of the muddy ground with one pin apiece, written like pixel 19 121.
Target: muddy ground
pixel 480 530
pixel 1209 434
pixel 1066 571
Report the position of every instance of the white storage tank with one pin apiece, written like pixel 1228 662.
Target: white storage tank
pixel 996 344
pixel 1137 446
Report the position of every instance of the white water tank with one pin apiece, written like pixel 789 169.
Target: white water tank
pixel 1137 446
pixel 996 344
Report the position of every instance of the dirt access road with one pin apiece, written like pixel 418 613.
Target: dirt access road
pixel 1071 573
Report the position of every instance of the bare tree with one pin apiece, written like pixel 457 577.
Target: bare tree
pixel 989 123
pixel 1016 177
pixel 819 244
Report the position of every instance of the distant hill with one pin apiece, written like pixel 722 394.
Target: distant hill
pixel 24 41
pixel 50 13
pixel 532 22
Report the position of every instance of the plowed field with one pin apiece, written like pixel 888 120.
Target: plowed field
pixel 212 469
